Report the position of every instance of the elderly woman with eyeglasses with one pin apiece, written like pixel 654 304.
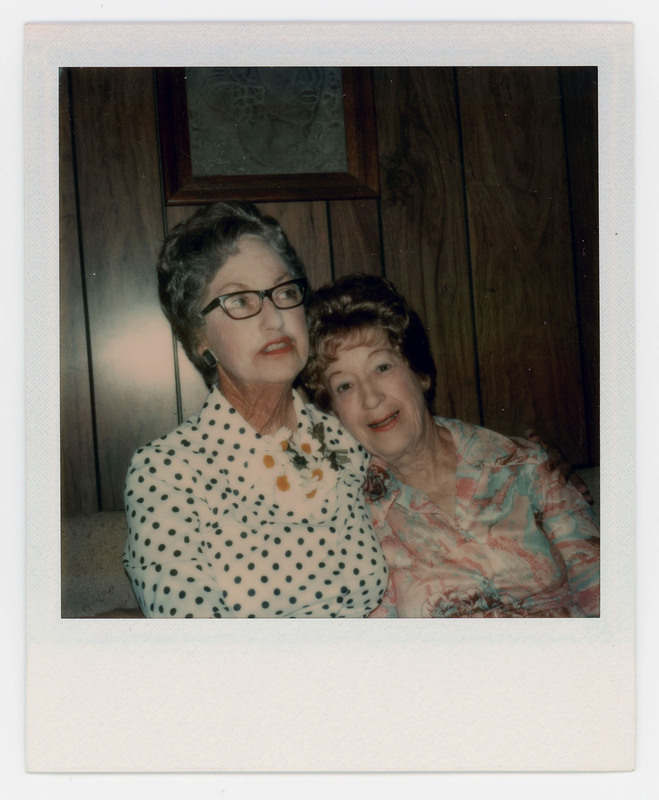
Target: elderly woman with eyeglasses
pixel 252 507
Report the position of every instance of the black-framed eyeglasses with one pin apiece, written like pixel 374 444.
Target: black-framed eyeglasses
pixel 242 305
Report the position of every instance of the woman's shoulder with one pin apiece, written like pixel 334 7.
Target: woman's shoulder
pixel 185 440
pixel 485 447
pixel 335 437
pixel 168 451
pixel 330 423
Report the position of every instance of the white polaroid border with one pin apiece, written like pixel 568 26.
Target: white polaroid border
pixel 309 696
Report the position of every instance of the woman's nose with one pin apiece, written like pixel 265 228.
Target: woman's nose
pixel 271 315
pixel 371 395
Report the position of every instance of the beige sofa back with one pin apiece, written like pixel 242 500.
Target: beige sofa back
pixel 94 581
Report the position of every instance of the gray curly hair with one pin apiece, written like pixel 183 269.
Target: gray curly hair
pixel 191 256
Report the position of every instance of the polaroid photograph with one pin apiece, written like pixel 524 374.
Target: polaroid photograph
pixel 220 576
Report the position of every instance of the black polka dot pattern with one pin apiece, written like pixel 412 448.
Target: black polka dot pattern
pixel 205 538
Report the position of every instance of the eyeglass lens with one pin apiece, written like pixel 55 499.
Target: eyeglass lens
pixel 247 304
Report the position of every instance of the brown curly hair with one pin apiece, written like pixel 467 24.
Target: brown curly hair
pixel 363 306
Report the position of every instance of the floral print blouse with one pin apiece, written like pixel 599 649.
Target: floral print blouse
pixel 519 544
pixel 224 522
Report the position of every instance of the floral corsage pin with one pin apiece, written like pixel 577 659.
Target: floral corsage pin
pixel 304 468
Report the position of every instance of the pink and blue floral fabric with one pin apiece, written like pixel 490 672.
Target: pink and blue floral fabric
pixel 519 544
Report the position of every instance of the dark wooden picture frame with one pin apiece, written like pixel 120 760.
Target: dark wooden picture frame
pixel 181 187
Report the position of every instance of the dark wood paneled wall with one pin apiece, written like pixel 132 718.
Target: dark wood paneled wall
pixel 78 467
pixel 521 251
pixel 424 227
pixel 487 222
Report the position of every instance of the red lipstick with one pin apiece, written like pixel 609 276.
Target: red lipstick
pixel 384 424
pixel 277 346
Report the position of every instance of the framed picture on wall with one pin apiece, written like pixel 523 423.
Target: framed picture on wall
pixel 266 133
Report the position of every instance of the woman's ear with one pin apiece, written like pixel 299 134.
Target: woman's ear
pixel 425 382
pixel 201 345
pixel 205 353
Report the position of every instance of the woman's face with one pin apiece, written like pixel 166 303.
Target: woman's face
pixel 269 348
pixel 379 399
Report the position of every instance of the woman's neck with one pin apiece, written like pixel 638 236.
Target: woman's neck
pixel 266 408
pixel 433 469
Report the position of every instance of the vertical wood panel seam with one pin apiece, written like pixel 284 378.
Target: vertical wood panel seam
pixel 165 227
pixel 575 277
pixel 383 268
pixel 85 306
pixel 383 260
pixel 470 279
pixel 328 213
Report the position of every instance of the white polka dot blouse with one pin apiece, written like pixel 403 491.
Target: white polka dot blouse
pixel 224 522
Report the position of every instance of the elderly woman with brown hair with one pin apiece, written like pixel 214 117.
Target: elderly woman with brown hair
pixel 471 522
pixel 252 507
